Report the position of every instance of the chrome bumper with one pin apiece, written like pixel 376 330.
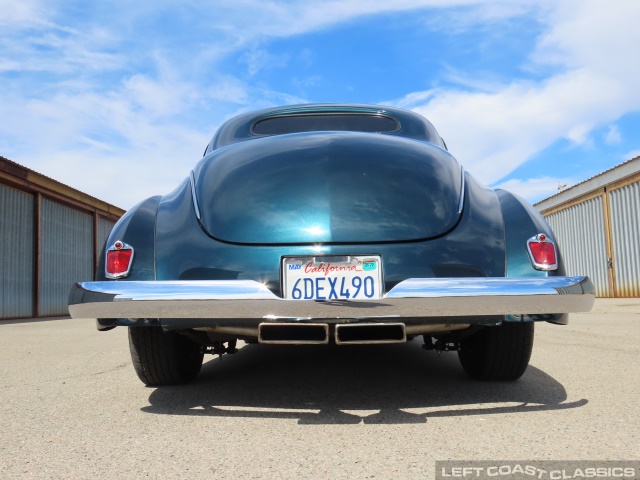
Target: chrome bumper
pixel 415 298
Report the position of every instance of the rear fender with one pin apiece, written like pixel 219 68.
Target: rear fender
pixel 136 228
pixel 521 222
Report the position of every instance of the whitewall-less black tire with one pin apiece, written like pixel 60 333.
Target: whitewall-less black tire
pixel 498 353
pixel 164 358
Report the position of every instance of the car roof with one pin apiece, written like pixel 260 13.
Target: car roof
pixel 240 127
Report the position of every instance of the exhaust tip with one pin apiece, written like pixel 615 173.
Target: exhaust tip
pixel 370 333
pixel 293 333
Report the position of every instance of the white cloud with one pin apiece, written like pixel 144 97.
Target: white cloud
pixel 241 22
pixel 306 82
pixel 494 132
pixel 535 189
pixel 162 93
pixel 612 137
pixel 258 59
pixel 412 99
pixel 32 41
pixel 630 155
pixel 283 19
pixel 590 33
pixel 21 12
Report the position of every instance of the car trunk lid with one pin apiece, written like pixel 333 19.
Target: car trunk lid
pixel 328 187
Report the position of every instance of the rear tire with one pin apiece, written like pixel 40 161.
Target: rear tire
pixel 164 358
pixel 498 353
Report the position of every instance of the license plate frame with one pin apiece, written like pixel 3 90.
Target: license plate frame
pixel 332 277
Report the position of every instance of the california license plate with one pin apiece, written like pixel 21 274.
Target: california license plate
pixel 344 277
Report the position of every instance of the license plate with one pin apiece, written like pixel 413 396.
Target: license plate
pixel 345 277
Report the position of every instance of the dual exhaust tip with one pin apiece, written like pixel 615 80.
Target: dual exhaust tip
pixel 319 333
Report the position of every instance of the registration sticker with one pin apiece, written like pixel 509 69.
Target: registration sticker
pixel 341 277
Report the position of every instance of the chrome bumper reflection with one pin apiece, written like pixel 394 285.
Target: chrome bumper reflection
pixel 412 298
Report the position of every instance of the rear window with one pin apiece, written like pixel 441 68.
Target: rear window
pixel 313 123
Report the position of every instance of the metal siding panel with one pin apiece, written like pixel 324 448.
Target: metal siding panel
pixel 66 254
pixel 104 229
pixel 625 224
pixel 17 260
pixel 580 233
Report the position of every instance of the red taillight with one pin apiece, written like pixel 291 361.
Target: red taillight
pixel 542 252
pixel 118 261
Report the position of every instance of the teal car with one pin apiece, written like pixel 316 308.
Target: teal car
pixel 330 224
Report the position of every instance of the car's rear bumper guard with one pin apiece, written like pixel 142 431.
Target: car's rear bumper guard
pixel 413 298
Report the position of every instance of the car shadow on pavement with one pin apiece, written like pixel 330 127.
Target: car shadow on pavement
pixel 387 384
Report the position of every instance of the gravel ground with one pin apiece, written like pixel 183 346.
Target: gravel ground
pixel 72 406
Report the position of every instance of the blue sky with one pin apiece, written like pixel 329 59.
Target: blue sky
pixel 118 99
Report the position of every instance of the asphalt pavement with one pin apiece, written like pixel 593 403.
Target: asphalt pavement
pixel 72 407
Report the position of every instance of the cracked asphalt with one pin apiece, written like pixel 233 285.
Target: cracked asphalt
pixel 72 406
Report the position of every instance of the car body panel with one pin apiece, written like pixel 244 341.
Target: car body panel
pixel 188 253
pixel 240 128
pixel 328 187
pixel 137 228
pixel 521 222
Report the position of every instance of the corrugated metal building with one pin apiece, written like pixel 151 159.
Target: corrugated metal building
pixel 597 225
pixel 50 236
